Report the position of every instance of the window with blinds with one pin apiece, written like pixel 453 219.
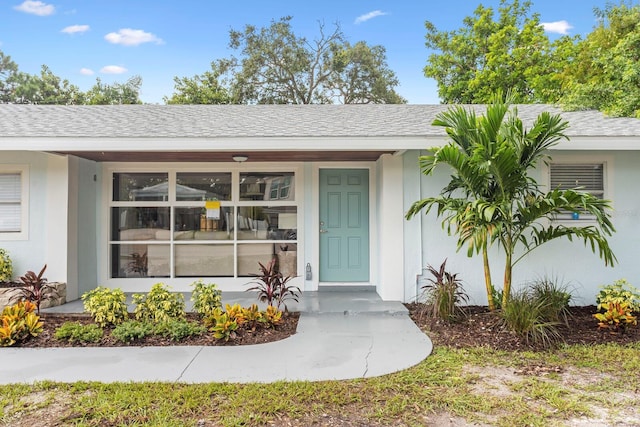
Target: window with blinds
pixel 10 202
pixel 587 177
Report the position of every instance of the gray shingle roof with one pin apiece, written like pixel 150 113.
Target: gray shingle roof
pixel 221 121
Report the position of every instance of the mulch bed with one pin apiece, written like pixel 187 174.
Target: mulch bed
pixel 52 321
pixel 482 328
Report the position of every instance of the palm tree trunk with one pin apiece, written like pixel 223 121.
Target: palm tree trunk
pixel 487 277
pixel 506 290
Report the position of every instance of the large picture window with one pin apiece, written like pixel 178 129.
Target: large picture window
pixel 160 227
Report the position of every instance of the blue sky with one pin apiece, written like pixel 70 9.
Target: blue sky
pixel 116 39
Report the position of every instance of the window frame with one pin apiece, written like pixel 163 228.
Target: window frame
pixel 23 171
pixel 584 159
pixel 173 203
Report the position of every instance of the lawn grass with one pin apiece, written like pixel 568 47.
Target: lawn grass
pixel 478 385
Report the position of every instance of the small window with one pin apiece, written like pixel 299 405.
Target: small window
pixel 10 202
pixel 587 177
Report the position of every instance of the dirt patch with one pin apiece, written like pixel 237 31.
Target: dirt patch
pixel 42 408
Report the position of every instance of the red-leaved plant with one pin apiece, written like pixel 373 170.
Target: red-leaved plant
pixel 34 288
pixel 272 286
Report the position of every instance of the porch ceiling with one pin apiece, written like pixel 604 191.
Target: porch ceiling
pixel 226 156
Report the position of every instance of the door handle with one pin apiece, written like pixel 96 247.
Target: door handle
pixel 322 230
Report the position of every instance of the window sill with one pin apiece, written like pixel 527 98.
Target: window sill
pixel 582 222
pixel 10 237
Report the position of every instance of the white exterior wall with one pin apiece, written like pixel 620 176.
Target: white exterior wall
pixel 84 194
pixel 390 224
pixel 412 228
pixel 570 262
pixel 47 220
pixel 56 223
pixel 309 254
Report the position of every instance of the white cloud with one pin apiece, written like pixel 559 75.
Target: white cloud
pixel 129 37
pixel 113 69
pixel 362 18
pixel 72 29
pixel 86 71
pixel 36 8
pixel 558 27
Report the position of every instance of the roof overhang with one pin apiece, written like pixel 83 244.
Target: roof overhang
pixel 219 150
pixel 226 156
pixel 271 149
pixel 317 143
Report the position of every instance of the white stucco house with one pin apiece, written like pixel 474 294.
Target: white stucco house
pixel 127 196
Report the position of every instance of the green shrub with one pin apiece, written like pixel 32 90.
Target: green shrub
pixel 553 299
pixel 236 313
pixel 75 332
pixel 206 298
pixel 496 297
pixel 159 305
pixel 34 288
pixel 177 330
pixel 253 316
pixel 106 306
pixel 224 328
pixel 443 295
pixel 525 316
pixel 272 287
pixel 19 322
pixel 619 292
pixel 132 330
pixel 6 267
pixel 271 316
pixel 617 317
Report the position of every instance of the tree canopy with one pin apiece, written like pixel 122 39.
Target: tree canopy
pixel 8 75
pixel 276 66
pixel 489 54
pixel 510 51
pixel 605 73
pixel 116 93
pixel 210 87
pixel 47 88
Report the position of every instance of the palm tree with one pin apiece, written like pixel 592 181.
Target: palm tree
pixel 491 196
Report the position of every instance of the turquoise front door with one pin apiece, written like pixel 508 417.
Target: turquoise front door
pixel 344 225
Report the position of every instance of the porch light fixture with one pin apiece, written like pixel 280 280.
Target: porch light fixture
pixel 240 158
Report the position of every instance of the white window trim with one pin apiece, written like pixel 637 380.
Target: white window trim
pixel 141 284
pixel 23 170
pixel 607 165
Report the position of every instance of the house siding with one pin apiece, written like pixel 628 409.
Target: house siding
pixel 571 263
pixel 47 210
pixel 412 228
pixel 84 197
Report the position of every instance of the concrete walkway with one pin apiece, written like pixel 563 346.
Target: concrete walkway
pixel 340 335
